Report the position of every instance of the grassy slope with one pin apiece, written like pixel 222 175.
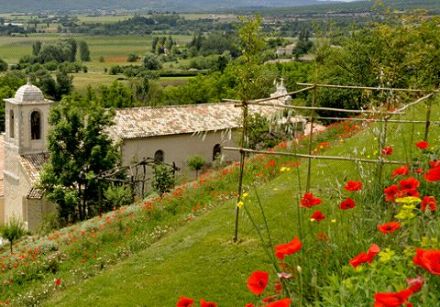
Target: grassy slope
pixel 199 260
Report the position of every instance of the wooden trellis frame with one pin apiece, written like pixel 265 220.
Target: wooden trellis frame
pixel 385 118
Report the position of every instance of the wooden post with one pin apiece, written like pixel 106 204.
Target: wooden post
pixel 309 161
pixel 144 167
pixel 428 119
pixel 242 161
pixel 382 143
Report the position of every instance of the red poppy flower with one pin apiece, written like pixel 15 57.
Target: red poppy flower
pixel 433 174
pixel 57 282
pixel 318 216
pixel 269 299
pixel 407 192
pixel 400 171
pixel 418 170
pixel 257 282
pixel 429 260
pixel 410 183
pixel 281 303
pixel 185 302
pixel 270 164
pixel 428 201
pixel 249 305
pixel 387 151
pixel 348 203
pixel 290 248
pixel 391 192
pixel 365 256
pixel 391 299
pixel 422 145
pixel 415 284
pixel 353 186
pixel 204 303
pixel 434 163
pixel 278 287
pixel 388 227
pixel 309 200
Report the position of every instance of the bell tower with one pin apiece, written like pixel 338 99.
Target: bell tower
pixel 26 131
pixel 27 120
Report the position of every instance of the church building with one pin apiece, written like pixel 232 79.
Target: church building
pixel 170 134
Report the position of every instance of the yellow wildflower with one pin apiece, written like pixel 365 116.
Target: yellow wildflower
pixel 386 255
pixel 408 200
pixel 240 204
pixel 405 215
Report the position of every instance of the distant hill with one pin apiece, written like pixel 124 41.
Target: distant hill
pixel 358 6
pixel 163 5
pixel 30 6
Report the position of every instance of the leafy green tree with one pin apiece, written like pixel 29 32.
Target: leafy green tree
pixel 84 52
pixel 196 163
pixel 154 43
pixel 252 76
pixel 54 52
pixel 163 178
pixel 13 231
pixel 303 44
pixel 73 46
pixel 9 83
pixel 132 57
pixel 36 48
pixel 118 196
pixel 79 150
pixel 152 62
pixel 64 84
pixel 3 65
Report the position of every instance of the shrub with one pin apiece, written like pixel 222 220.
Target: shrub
pixel 13 231
pixel 132 57
pixel 163 178
pixel 3 65
pixel 196 163
pixel 118 196
pixel 152 62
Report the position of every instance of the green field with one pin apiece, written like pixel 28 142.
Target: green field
pixel 113 49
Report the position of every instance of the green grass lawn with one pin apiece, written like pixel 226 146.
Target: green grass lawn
pixel 199 259
pixel 151 253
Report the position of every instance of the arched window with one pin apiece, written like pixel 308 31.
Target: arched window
pixel 159 156
pixel 217 152
pixel 35 125
pixel 11 124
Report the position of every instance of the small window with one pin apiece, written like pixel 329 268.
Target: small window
pixel 11 124
pixel 159 156
pixel 35 125
pixel 217 152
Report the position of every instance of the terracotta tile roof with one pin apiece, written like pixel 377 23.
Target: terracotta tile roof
pixel 32 165
pixel 2 164
pixel 142 122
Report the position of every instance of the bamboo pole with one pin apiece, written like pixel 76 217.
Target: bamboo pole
pixel 309 162
pixel 382 143
pixel 270 98
pixel 414 103
pixel 322 109
pixel 313 157
pixel 241 175
pixel 376 120
pixel 428 119
pixel 354 87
